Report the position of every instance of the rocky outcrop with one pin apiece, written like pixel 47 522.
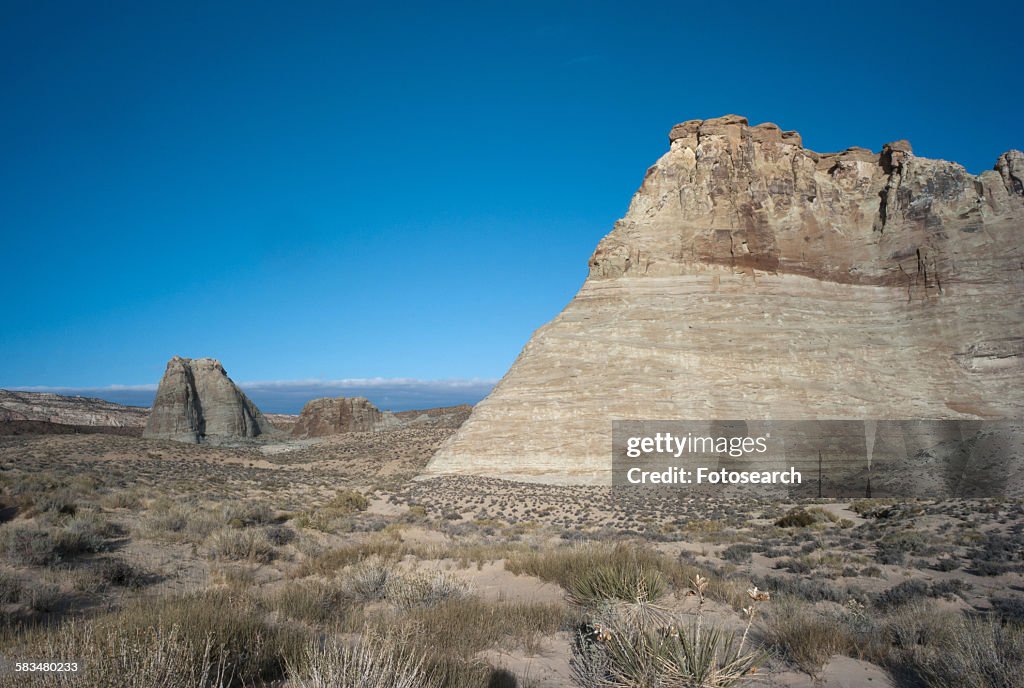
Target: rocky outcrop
pixel 441 417
pixel 322 417
pixel 753 278
pixel 197 402
pixel 67 410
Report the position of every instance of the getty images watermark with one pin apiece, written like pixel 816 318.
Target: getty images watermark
pixel 676 446
pixel 823 458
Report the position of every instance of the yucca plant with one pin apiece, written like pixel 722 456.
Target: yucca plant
pixel 704 657
pixel 631 582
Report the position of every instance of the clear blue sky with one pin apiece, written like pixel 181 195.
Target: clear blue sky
pixel 328 190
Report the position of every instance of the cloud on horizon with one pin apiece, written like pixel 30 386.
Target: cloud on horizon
pixel 288 396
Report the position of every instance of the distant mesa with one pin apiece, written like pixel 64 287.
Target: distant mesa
pixel 753 278
pixel 197 402
pixel 323 417
pixel 44 407
pixel 35 413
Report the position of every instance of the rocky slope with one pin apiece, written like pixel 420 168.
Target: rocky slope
pixel 322 417
pixel 441 417
pixel 65 410
pixel 753 278
pixel 197 402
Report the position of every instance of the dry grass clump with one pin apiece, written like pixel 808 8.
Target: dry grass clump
pixel 155 656
pixel 568 564
pixel 803 635
pixel 376 663
pixel 419 588
pixel 802 518
pixel 240 545
pixel 316 602
pixel 11 586
pixel 172 522
pixel 367 579
pixel 245 514
pixel 332 516
pixel 462 627
pixel 939 649
pixel 326 563
pixel 28 545
pixel 211 639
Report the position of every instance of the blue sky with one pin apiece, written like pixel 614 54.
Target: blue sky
pixel 324 191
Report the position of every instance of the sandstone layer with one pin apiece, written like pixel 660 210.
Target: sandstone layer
pixel 67 410
pixel 322 417
pixel 197 402
pixel 753 278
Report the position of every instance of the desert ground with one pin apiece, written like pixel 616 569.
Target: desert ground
pixel 326 563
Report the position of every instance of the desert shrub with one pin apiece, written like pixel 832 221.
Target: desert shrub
pixel 167 520
pixel 915 590
pixel 55 502
pixel 11 586
pixel 794 565
pixel 904 593
pixel 279 535
pixel 156 656
pixel 423 588
pixel 462 627
pixel 244 514
pixel 1009 608
pixel 208 640
pixel 739 553
pixel 566 564
pixel 237 545
pixel 893 548
pixel 326 562
pixel 347 501
pixel 942 649
pixel 999 553
pixel 121 499
pixel 41 596
pixel 810 590
pixel 84 533
pixel 120 573
pixel 367 579
pixel 313 602
pixel 946 564
pixel 376 663
pixel 802 635
pixel 25 545
pixel 796 518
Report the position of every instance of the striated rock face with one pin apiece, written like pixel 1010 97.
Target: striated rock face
pixel 755 279
pixel 197 402
pixel 65 410
pixel 321 417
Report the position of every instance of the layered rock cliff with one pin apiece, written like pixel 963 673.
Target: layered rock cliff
pixel 322 417
pixel 753 278
pixel 196 402
pixel 66 410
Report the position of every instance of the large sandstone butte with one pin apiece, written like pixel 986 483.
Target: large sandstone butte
pixel 753 278
pixel 321 417
pixel 197 402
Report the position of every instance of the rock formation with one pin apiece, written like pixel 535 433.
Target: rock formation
pixel 321 417
pixel 66 410
pixel 197 402
pixel 753 278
